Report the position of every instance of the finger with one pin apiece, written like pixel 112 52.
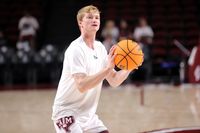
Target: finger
pixel 113 57
pixel 112 48
pixel 110 53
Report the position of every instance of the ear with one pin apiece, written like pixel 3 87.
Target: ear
pixel 79 23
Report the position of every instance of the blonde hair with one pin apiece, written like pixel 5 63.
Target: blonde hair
pixel 86 9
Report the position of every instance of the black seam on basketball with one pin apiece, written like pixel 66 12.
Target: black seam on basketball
pixel 133 61
pixel 128 47
pixel 121 61
pixel 122 49
pixel 134 53
pixel 130 51
pixel 120 54
pixel 127 54
pixel 126 63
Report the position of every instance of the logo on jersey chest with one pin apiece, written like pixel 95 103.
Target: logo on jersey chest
pixel 95 57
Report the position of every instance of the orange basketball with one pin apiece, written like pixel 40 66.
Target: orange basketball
pixel 129 55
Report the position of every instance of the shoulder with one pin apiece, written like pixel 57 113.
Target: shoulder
pixel 75 46
pixel 99 44
pixel 77 43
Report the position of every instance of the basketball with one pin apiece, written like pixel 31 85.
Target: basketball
pixel 129 55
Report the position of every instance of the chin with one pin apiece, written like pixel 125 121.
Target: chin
pixel 97 29
pixel 94 30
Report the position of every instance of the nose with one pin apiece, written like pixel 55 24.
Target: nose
pixel 94 20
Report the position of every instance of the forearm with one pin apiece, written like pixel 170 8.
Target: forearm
pixel 84 82
pixel 116 78
pixel 88 82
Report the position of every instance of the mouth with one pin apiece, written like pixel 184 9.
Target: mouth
pixel 95 25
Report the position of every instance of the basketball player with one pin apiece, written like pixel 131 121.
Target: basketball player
pixel 86 65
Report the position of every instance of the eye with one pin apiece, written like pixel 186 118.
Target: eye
pixel 89 17
pixel 97 17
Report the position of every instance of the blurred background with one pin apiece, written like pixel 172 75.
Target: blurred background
pixel 32 50
pixel 35 33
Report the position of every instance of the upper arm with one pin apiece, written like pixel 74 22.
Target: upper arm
pixel 76 60
pixel 77 66
pixel 78 77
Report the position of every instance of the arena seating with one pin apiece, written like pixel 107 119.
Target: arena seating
pixel 169 20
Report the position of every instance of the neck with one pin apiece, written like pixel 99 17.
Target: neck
pixel 89 39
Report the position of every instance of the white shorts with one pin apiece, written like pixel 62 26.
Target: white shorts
pixel 93 126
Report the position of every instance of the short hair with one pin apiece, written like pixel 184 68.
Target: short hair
pixel 86 9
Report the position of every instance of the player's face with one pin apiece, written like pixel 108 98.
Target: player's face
pixel 90 22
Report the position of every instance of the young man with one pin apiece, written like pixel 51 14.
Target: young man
pixel 86 65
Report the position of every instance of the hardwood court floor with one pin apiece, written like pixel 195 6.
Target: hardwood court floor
pixel 165 106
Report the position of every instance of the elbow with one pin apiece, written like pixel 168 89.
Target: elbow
pixel 81 88
pixel 114 85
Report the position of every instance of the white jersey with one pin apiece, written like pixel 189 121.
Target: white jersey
pixel 69 101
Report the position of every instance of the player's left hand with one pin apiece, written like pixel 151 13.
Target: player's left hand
pixel 111 57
